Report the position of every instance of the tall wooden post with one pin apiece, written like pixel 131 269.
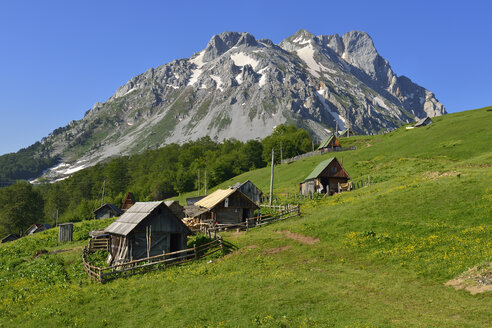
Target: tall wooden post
pixel 198 182
pixel 271 179
pixel 102 198
pixel 205 182
pixel 281 155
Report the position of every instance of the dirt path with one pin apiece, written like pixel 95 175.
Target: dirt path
pixel 306 240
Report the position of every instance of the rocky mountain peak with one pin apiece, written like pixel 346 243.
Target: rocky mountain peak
pixel 221 43
pixel 240 87
pixel 297 41
pixel 359 50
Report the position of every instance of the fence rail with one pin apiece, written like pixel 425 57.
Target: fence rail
pixel 285 212
pixel 316 152
pixel 99 244
pixel 152 263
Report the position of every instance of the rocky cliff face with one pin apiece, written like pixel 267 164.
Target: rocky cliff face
pixel 240 87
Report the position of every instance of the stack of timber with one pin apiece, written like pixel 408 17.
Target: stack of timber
pixel 99 244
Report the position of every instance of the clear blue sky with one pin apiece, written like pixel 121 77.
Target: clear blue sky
pixel 58 58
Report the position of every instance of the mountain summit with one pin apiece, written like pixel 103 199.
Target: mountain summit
pixel 240 87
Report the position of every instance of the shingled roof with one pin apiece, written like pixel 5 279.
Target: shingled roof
pixel 318 169
pixel 132 217
pixel 326 142
pixel 215 198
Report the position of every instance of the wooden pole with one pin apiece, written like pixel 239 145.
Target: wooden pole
pixel 281 155
pixel 102 198
pixel 271 179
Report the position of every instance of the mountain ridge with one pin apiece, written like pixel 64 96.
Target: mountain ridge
pixel 240 87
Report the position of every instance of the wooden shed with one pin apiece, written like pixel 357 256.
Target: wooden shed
pixel 326 178
pixel 346 133
pixel 249 189
pixel 106 211
pixel 11 237
pixel 37 228
pixel 65 232
pixel 423 122
pixel 193 200
pixel 127 202
pixel 146 229
pixel 176 208
pixel 331 142
pixel 224 206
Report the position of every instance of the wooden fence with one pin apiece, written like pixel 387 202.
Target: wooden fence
pixel 316 152
pixel 150 263
pixel 98 244
pixel 285 212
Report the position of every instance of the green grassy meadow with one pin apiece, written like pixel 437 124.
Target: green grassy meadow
pixel 378 256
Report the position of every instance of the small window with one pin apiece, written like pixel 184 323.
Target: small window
pixel 333 170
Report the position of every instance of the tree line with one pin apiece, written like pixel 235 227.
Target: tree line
pixel 151 175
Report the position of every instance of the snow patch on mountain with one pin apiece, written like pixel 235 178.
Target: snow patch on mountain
pixel 339 119
pixel 195 74
pixel 218 82
pixel 241 59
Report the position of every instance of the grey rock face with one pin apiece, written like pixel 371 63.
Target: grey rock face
pixel 240 87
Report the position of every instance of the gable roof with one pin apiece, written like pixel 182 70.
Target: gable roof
pixel 37 227
pixel 192 211
pixel 326 142
pixel 128 201
pixel 238 185
pixel 112 206
pixel 132 217
pixel 319 168
pixel 215 198
pixel 423 120
pixel 11 237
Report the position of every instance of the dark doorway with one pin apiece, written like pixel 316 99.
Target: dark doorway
pixel 245 214
pixel 175 242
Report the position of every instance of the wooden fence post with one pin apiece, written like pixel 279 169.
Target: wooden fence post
pixel 221 243
pixel 196 253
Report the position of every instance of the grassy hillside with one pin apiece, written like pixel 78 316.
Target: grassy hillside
pixel 374 257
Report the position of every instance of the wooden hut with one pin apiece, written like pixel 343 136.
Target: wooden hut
pixel 146 229
pixel 346 133
pixel 106 211
pixel 127 202
pixel 37 228
pixel 249 189
pixel 224 206
pixel 331 142
pixel 176 208
pixel 65 232
pixel 11 237
pixel 423 122
pixel 328 177
pixel 193 200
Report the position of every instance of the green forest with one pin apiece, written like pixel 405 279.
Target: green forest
pixel 151 175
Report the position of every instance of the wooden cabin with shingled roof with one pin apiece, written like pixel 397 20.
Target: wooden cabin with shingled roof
pixel 331 142
pixel 327 177
pixel 223 206
pixel 146 229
